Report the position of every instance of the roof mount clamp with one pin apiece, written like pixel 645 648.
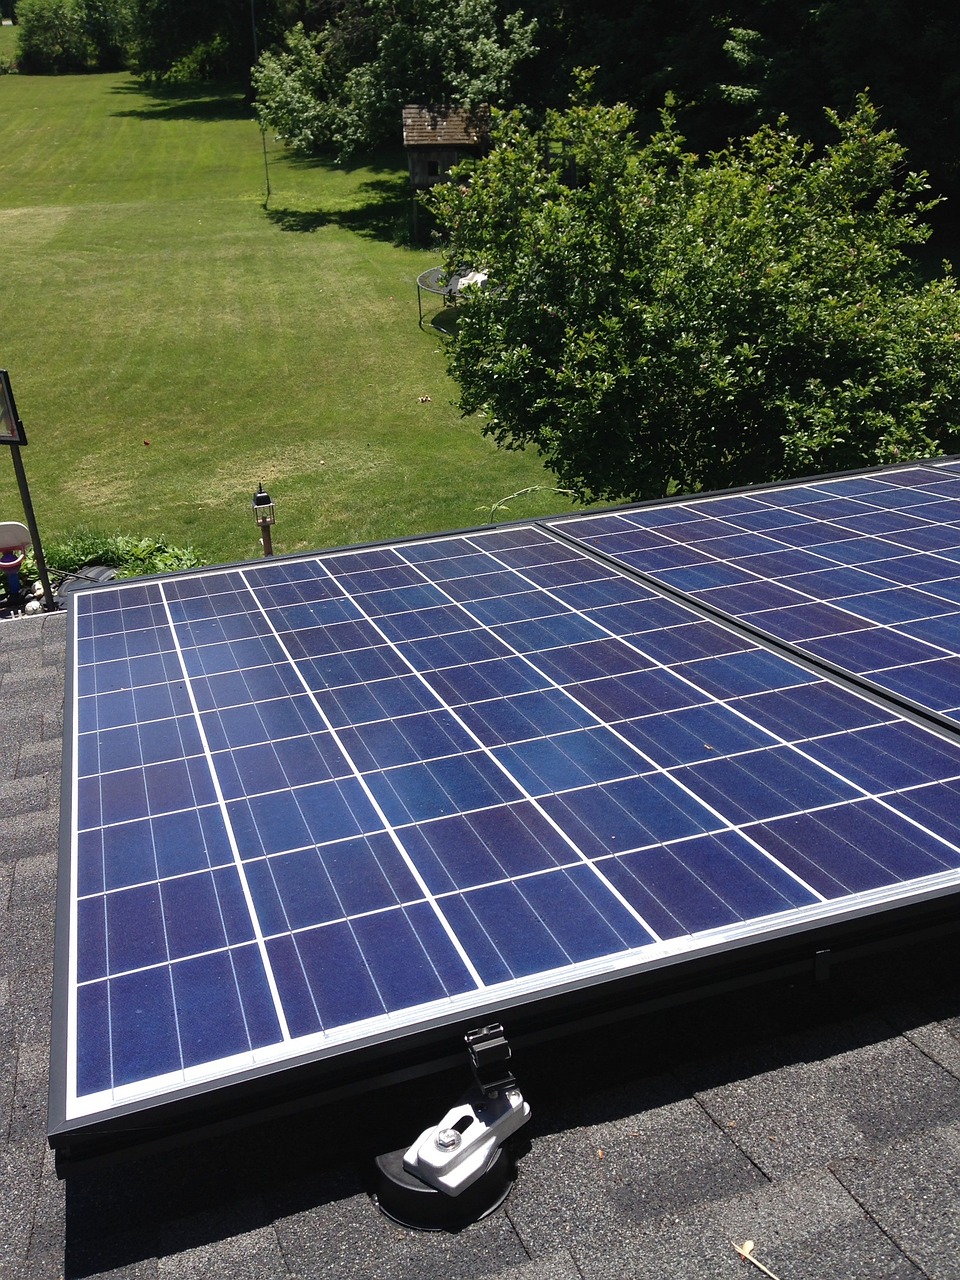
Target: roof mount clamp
pixel 458 1170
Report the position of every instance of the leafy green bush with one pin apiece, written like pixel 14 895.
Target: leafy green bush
pixel 208 60
pixel 65 36
pixel 663 321
pixel 52 37
pixel 131 557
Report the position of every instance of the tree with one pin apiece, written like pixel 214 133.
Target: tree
pixel 52 37
pixel 346 85
pixel 182 40
pixel 655 321
pixel 73 35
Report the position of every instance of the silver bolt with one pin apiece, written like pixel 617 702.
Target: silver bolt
pixel 446 1139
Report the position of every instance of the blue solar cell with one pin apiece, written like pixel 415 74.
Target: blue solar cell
pixel 135 927
pixel 805 621
pixel 107 712
pixel 192 915
pixel 201 1038
pixel 143 1026
pixel 417 792
pixel 497 677
pixel 759 517
pixel 931 683
pixel 293 891
pixel 702 576
pixel 751 787
pixel 399 599
pixel 631 814
pixel 691 734
pixel 384 700
pixel 638 693
pixel 265 896
pixel 268 824
pixel 403 741
pixel 520 928
pixel 94 1071
pixel 319 952
pixel 410 956
pixel 147 743
pixel 251 723
pixel 705 883
pixel 92 933
pixel 188 841
pixel 880 522
pixel 932 537
pixel 575 759
pixel 658 558
pixel 886 757
pixel 874 649
pixel 520 606
pixel 578 662
pixel 451 650
pixel 852 849
pixel 549 632
pixel 945 589
pixel 943 630
pixel 687 642
pixel 369 873
pixel 491 845
pixel 750 597
pixel 808 710
pixel 361 666
pixel 937 808
pixel 578 910
pixel 732 675
pixel 524 716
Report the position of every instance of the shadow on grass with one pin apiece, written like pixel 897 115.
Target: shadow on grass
pixel 384 214
pixel 203 101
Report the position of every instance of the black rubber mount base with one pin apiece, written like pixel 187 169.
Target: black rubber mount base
pixel 411 1203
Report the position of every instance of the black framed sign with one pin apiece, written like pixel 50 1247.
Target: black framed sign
pixel 11 428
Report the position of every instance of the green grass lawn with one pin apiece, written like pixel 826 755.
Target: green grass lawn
pixel 171 342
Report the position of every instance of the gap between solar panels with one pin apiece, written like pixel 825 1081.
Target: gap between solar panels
pixel 906 707
pixel 324 816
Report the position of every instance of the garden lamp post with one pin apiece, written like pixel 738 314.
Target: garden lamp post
pixel 265 515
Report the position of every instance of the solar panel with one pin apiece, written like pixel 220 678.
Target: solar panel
pixel 862 571
pixel 332 803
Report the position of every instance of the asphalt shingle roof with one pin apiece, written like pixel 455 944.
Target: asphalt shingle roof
pixel 821 1122
pixel 433 126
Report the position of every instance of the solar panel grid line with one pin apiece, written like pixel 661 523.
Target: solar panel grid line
pixel 547 817
pixel 724 822
pixel 388 826
pixel 231 835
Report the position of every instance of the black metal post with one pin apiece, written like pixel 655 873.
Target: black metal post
pixel 32 526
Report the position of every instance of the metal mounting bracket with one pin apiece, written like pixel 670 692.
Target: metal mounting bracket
pixel 457 1170
pixel 464 1145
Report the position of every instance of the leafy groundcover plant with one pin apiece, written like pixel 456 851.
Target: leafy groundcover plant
pixel 131 557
